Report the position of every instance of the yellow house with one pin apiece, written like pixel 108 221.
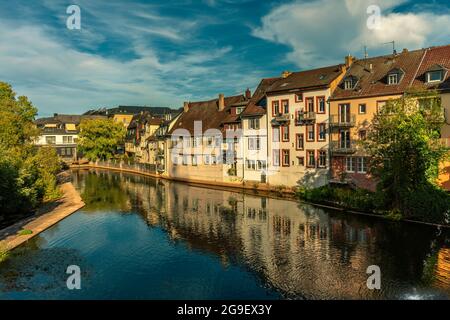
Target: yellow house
pixel 365 88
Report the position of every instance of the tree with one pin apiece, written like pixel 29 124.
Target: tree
pixel 99 138
pixel 27 174
pixel 406 151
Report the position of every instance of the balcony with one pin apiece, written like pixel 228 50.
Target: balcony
pixel 306 118
pixel 342 148
pixel 337 121
pixel 280 119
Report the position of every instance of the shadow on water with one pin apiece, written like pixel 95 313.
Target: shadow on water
pixel 272 247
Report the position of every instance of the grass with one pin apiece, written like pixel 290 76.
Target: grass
pixel 25 232
pixel 3 254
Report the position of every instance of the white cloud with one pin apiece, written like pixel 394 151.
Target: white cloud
pixel 61 75
pixel 322 32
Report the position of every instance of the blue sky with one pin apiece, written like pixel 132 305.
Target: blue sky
pixel 162 53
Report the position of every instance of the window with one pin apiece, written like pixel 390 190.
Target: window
pixel 362 108
pixel 362 165
pixel 310 104
pixel 362 134
pixel 285 133
pixel 63 151
pixel 261 165
pixel 349 164
pixel 301 161
pixel 209 141
pixel 299 97
pixel 348 84
pixel 239 110
pixel 285 106
pixel 194 160
pixel 435 76
pixel 321 132
pixel 254 143
pixel 194 142
pixel 213 160
pixel 300 141
pixel 276 158
pixel 251 165
pixel 69 151
pixel 310 133
pixel 253 124
pixel 320 104
pixel 207 159
pixel 275 108
pixel 380 105
pixel 322 159
pixel 218 141
pixel 67 139
pixel 185 160
pixel 311 159
pixel 393 78
pixel 286 160
pixel 276 134
pixel 50 140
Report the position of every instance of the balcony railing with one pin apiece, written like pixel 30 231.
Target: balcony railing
pixel 343 148
pixel 306 118
pixel 281 118
pixel 338 121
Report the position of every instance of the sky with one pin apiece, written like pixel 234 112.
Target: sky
pixel 162 52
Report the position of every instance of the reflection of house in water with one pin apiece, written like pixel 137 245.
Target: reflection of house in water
pixel 442 278
pixel 298 249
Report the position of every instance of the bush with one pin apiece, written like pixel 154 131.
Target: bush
pixel 427 203
pixel 344 197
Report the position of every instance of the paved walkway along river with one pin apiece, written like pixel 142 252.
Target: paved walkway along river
pixel 68 204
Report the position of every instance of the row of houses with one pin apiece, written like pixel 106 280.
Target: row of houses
pixel 61 131
pixel 301 128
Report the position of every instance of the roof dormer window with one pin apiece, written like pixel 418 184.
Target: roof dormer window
pixel 393 79
pixel 395 76
pixel 435 73
pixel 435 76
pixel 350 83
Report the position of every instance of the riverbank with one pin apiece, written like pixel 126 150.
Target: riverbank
pixel 250 186
pixel 262 190
pixel 47 216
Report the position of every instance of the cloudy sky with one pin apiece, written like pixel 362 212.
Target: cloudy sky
pixel 162 52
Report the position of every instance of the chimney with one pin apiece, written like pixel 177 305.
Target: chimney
pixel 55 115
pixel 221 102
pixel 285 74
pixel 349 61
pixel 248 94
pixel 186 106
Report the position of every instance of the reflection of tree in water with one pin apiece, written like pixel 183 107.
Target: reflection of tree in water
pixel 43 270
pixel 299 250
pixel 103 191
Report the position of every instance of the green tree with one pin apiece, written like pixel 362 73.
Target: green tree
pixel 100 138
pixel 27 174
pixel 405 149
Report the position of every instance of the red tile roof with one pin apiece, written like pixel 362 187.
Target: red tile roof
pixel 207 112
pixel 371 75
pixel 434 57
pixel 253 108
pixel 303 80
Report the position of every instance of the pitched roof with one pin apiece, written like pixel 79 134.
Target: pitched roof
pixel 133 110
pixel 435 58
pixel 316 78
pixel 371 75
pixel 207 112
pixel 254 108
pixel 145 118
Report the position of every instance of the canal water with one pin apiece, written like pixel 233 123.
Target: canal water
pixel 142 238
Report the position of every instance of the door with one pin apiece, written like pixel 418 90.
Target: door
pixel 344 141
pixel 344 113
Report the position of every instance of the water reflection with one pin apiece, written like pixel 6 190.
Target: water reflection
pixel 298 250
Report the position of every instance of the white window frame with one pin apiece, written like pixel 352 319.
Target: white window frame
pixel 393 76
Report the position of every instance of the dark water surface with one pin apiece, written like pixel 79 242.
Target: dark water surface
pixel 142 238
